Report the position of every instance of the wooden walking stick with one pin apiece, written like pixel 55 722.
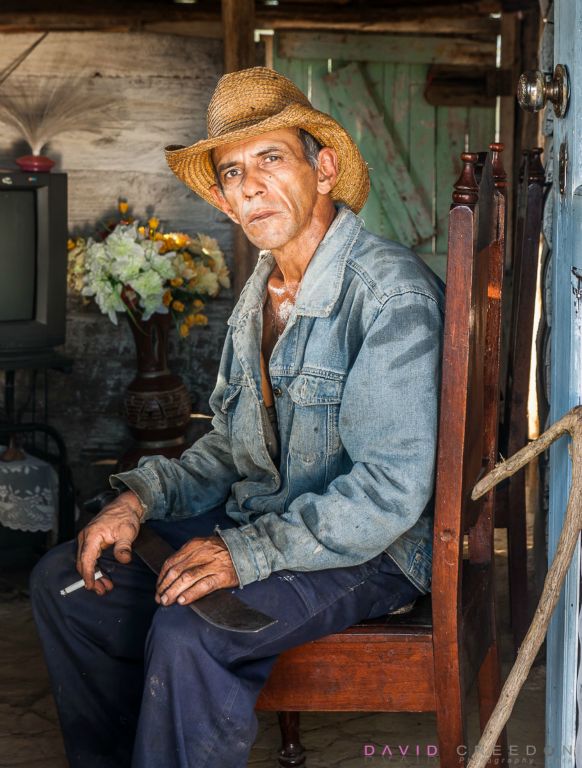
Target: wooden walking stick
pixel 571 423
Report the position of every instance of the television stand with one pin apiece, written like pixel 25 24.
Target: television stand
pixel 41 360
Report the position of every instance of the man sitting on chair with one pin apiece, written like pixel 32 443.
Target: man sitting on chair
pixel 311 498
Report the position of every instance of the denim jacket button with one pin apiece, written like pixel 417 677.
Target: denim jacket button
pixel 277 391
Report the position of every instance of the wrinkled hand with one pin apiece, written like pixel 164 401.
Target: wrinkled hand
pixel 201 566
pixel 117 525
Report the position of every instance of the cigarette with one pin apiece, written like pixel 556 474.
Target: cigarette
pixel 78 584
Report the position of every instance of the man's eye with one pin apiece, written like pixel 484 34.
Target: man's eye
pixel 272 158
pixel 231 173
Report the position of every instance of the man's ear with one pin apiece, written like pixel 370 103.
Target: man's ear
pixel 222 203
pixel 327 170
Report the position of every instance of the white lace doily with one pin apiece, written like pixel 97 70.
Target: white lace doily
pixel 28 494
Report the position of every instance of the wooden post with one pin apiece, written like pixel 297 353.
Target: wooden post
pixel 238 19
pixel 510 60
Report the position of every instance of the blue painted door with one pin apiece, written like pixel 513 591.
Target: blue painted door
pixel 566 386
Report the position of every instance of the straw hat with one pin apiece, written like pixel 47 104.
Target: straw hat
pixel 257 100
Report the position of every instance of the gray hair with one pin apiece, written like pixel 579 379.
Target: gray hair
pixel 311 147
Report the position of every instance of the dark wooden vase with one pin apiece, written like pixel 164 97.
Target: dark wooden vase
pixel 157 403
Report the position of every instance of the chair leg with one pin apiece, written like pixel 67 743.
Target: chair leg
pixel 489 688
pixel 291 754
pixel 451 723
pixel 517 560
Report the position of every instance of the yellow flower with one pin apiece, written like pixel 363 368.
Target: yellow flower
pixel 189 320
pixel 122 206
pixel 176 282
pixel 199 319
pixel 197 304
pixel 153 223
pixel 184 330
pixel 167 298
pixel 70 244
pixel 141 231
pixel 158 236
pixel 178 306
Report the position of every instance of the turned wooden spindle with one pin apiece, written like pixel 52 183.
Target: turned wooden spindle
pixel 466 191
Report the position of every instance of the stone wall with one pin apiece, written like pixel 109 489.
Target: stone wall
pixel 162 85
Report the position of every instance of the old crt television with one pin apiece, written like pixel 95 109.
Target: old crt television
pixel 33 262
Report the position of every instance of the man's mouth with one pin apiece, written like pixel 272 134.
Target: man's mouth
pixel 260 215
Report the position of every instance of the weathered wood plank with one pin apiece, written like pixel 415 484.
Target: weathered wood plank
pixel 319 91
pixel 422 149
pixel 375 217
pixel 376 20
pixel 98 54
pixel 451 130
pixel 348 113
pixel 481 128
pixel 399 120
pixel 348 88
pixel 136 140
pixel 387 48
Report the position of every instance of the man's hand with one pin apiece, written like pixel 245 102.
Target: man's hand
pixel 117 525
pixel 201 566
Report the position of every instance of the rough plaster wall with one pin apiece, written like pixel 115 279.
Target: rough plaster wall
pixel 164 84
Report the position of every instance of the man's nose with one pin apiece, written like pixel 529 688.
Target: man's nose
pixel 253 183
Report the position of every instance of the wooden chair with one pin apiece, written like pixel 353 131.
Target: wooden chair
pixel 428 659
pixel 513 433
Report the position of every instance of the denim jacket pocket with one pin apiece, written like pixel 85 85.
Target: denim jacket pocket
pixel 230 400
pixel 316 405
pixel 231 392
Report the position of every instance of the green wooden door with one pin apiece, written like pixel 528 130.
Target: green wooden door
pixel 373 85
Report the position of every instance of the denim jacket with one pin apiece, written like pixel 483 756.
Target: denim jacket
pixel 355 378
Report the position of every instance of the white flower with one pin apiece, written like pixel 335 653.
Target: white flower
pixel 208 283
pixel 108 298
pixel 128 264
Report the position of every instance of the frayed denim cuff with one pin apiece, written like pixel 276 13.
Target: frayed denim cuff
pixel 146 486
pixel 247 553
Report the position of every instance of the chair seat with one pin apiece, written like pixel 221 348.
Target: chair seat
pixel 351 682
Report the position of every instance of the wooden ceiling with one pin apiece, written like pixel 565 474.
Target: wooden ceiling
pixel 472 17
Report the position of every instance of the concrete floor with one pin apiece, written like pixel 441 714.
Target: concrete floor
pixel 30 738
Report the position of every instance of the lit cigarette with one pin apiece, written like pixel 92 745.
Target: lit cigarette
pixel 78 584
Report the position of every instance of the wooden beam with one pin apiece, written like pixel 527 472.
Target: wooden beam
pixel 386 48
pixel 204 19
pixel 107 16
pixel 465 19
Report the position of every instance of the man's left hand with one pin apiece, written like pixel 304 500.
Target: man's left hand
pixel 201 566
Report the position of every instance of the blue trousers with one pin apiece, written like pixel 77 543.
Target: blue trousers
pixel 141 685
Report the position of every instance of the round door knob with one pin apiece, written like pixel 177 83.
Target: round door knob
pixel 534 90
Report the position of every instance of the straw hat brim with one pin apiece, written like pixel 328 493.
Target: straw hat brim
pixel 193 165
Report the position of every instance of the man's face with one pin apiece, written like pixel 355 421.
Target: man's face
pixel 269 187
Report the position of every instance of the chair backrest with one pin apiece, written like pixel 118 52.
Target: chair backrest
pixel 467 443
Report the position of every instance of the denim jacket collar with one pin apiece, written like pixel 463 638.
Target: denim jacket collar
pixel 322 281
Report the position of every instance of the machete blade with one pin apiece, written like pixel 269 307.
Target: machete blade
pixel 222 609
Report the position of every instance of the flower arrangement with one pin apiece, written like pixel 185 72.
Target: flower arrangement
pixel 139 270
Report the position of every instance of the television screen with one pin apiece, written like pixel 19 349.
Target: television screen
pixel 33 263
pixel 17 254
